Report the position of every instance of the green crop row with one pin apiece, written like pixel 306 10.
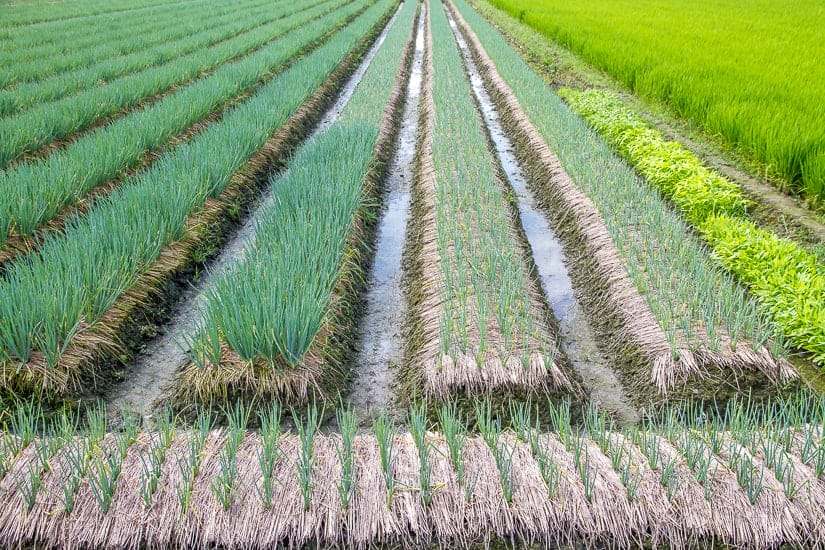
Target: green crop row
pixel 707 61
pixel 58 119
pixel 29 17
pixel 696 190
pixel 786 279
pixel 175 40
pixel 485 290
pixel 115 35
pixel 270 306
pixel 35 192
pixel 47 297
pixel 694 300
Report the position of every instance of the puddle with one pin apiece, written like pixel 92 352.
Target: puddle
pixel 578 340
pixel 380 347
pixel 148 375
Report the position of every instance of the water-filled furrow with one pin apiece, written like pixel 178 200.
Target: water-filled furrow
pixel 380 346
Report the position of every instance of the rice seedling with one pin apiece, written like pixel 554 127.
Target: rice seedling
pixel 418 430
pixel 46 122
pixel 771 118
pixel 385 434
pixel 40 190
pixel 102 254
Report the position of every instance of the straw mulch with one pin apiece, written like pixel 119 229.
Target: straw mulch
pixel 458 515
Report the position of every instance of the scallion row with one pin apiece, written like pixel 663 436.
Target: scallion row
pixel 274 310
pixel 57 119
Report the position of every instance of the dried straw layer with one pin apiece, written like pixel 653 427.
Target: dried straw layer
pixel 93 348
pixel 576 494
pixel 322 371
pixel 521 370
pixel 644 357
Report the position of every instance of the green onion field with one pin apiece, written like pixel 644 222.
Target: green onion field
pixel 377 273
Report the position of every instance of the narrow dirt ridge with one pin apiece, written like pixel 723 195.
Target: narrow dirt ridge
pixel 577 337
pixel 146 378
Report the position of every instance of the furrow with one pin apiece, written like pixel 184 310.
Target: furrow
pixel 380 346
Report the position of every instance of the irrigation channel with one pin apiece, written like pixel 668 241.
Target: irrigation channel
pixel 146 378
pixel 380 346
pixel 577 337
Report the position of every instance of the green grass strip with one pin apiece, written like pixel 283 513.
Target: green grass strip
pixel 787 280
pixel 271 305
pixel 690 295
pixel 75 278
pixel 35 192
